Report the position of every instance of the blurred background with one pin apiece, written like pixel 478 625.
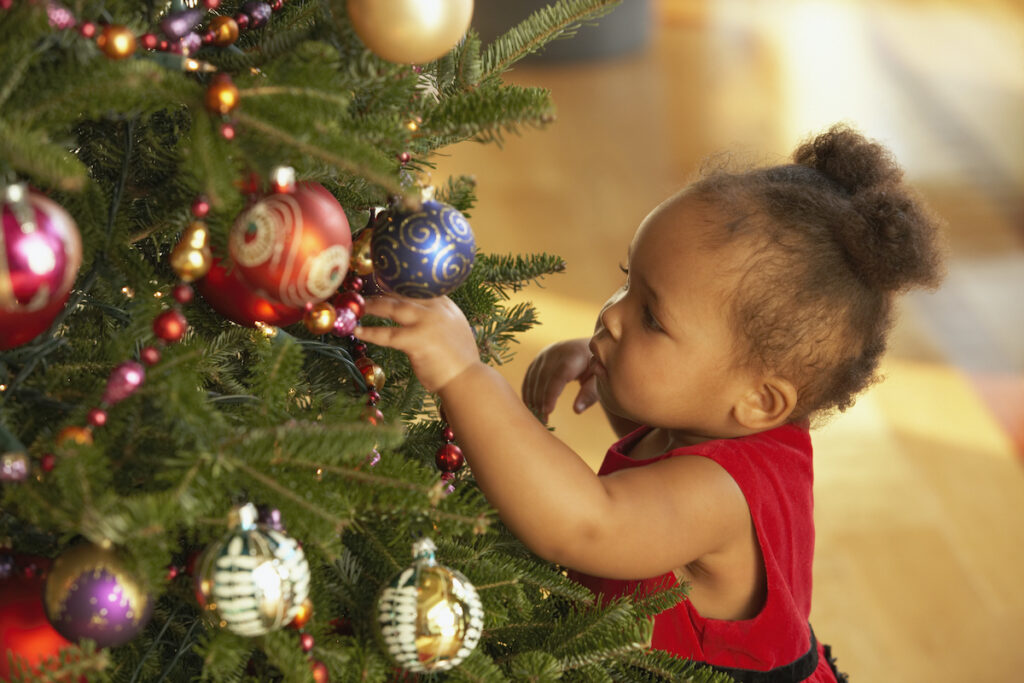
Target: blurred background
pixel 919 487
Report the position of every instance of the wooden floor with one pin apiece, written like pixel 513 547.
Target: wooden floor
pixel 920 487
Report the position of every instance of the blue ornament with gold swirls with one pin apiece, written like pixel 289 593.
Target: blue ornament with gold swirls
pixel 423 253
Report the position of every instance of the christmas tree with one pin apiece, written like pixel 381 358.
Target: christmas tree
pixel 204 475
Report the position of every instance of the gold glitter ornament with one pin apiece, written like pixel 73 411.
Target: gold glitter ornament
pixel 224 30
pixel 116 42
pixel 320 318
pixel 430 616
pixel 362 258
pixel 372 373
pixel 221 95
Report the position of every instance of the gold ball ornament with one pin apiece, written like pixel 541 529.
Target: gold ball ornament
pixel 372 373
pixel 191 258
pixel 222 95
pixel 362 257
pixel 320 318
pixel 410 31
pixel 224 30
pixel 116 41
pixel 430 616
pixel 79 436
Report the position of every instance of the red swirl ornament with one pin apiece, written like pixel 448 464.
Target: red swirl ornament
pixel 293 248
pixel 230 296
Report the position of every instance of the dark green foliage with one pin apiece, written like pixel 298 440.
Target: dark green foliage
pixel 231 415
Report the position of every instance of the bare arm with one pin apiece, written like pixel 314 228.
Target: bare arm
pixel 635 523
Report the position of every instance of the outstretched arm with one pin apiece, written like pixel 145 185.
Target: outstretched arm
pixel 638 522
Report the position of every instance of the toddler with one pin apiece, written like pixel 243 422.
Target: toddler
pixel 752 302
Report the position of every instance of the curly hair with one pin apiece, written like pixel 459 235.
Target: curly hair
pixel 836 237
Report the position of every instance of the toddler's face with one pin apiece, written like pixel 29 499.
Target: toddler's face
pixel 664 347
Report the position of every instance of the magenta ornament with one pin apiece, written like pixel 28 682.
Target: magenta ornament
pixel 60 17
pixel 190 43
pixel 345 323
pixel 40 252
pixel 13 467
pixel 123 381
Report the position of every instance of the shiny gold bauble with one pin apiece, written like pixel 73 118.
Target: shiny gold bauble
pixel 191 258
pixel 80 436
pixel 410 31
pixel 320 318
pixel 222 95
pixel 430 616
pixel 116 42
pixel 224 30
pixel 372 373
pixel 362 258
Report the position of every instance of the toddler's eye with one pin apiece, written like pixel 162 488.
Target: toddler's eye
pixel 624 269
pixel 650 321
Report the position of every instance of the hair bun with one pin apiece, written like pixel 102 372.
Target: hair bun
pixel 895 244
pixel 849 159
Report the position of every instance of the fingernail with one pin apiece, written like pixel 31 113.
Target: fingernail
pixel 579 406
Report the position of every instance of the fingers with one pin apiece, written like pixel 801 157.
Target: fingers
pixel 381 335
pixel 587 395
pixel 398 309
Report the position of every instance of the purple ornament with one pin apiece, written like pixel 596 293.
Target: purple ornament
pixel 13 467
pixel 258 13
pixel 123 381
pixel 270 517
pixel 190 43
pixel 373 458
pixel 88 594
pixel 176 25
pixel 345 323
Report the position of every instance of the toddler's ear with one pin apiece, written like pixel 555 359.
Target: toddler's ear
pixel 766 405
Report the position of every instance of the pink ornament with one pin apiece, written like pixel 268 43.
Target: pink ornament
pixel 60 16
pixel 345 323
pixel 150 355
pixel 40 252
pixel 123 381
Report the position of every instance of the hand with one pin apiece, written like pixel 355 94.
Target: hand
pixel 552 369
pixel 433 333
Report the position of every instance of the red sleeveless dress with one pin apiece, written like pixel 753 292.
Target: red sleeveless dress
pixel 774 471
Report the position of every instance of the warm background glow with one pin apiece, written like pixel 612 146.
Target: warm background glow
pixel 920 489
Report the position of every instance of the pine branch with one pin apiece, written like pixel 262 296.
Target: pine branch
pixel 370 170
pixel 486 114
pixel 533 33
pixel 31 153
pixel 514 272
